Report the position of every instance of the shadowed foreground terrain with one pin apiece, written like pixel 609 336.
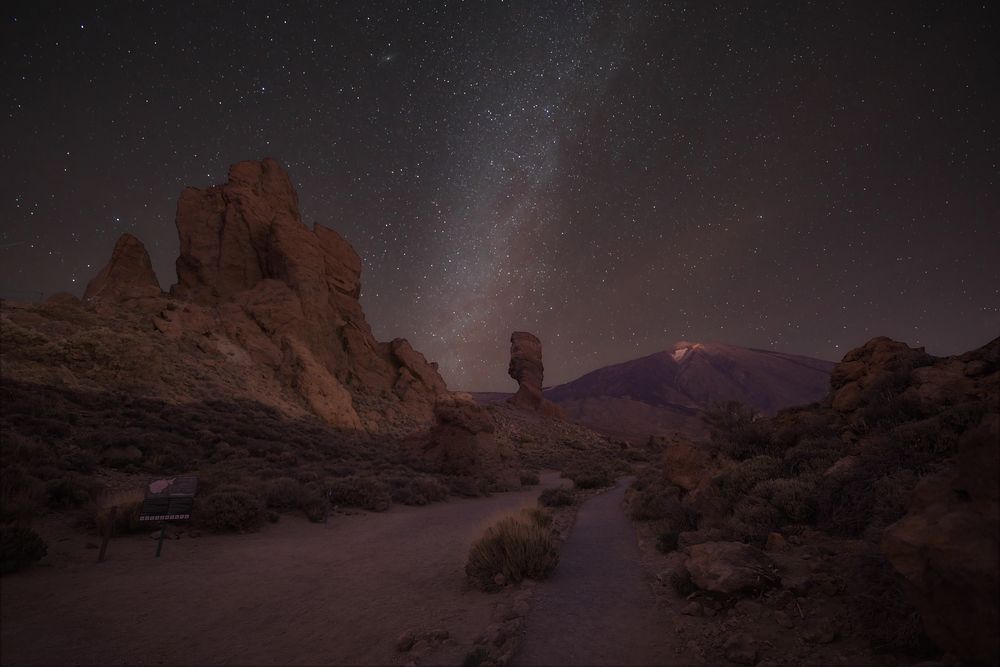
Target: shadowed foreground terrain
pixel 297 593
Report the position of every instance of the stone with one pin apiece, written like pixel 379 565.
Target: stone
pixel 406 641
pixel 775 542
pixel 741 649
pixel 499 579
pixel 687 465
pixel 693 608
pixel 527 369
pixel 127 275
pixel 729 567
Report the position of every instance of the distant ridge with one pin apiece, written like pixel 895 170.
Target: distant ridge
pixel 664 392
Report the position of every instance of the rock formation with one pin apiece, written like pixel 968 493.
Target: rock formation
pixel 127 275
pixel 266 292
pixel 462 440
pixel 947 547
pixel 526 367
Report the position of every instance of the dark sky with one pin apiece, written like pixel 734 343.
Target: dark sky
pixel 613 176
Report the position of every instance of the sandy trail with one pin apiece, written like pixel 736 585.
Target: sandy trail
pixel 598 609
pixel 295 593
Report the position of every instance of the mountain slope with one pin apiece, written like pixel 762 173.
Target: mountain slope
pixel 665 391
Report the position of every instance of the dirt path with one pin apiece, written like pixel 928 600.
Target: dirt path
pixel 598 608
pixel 295 593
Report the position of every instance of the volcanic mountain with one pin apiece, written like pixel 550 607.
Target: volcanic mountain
pixel 665 392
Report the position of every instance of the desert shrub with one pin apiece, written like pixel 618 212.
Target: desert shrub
pixel 231 509
pixel 737 431
pixel 813 455
pixel 126 517
pixel 735 481
pixel 795 498
pixel 680 581
pixel 367 493
pixel 538 516
pixel 19 546
pixel 657 501
pixel 556 497
pixel 417 490
pixel 529 478
pixel 468 487
pixel 845 501
pixel 476 657
pixel 891 496
pixel 752 520
pixel 71 491
pixel 21 494
pixel 883 404
pixel 285 493
pixel 590 478
pixel 515 548
pixel 666 541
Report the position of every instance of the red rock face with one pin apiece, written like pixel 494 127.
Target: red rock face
pixel 262 286
pixel 526 367
pixel 127 275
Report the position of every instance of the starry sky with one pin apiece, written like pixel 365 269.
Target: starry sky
pixel 612 176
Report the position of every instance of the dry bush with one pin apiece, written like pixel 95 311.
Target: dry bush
pixel 126 516
pixel 738 432
pixel 538 516
pixel 752 520
pixel 529 478
pixel 813 455
pixel 368 493
pixel 794 498
pixel 590 477
pixel 514 547
pixel 556 497
pixel 667 540
pixel 19 546
pixel 231 510
pixel 655 499
pixel 736 481
pixel 419 490
pixel 71 490
pixel 21 494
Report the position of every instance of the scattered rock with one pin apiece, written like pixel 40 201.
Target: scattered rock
pixel 729 567
pixel 500 580
pixel 693 608
pixel 406 641
pixel 776 542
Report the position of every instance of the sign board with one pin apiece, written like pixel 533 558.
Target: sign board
pixel 169 499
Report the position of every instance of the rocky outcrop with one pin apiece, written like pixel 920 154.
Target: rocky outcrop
pixel 880 365
pixel 127 275
pixel 279 299
pixel 462 440
pixel 729 567
pixel 526 368
pixel 947 548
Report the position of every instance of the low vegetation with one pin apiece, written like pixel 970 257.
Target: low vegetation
pixel 515 548
pixel 19 546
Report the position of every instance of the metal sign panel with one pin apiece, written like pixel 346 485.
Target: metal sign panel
pixel 169 499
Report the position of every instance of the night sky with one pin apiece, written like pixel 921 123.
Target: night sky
pixel 611 176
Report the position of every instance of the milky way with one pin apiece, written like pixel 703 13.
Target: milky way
pixel 611 176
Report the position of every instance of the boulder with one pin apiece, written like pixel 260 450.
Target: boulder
pixel 127 275
pixel 946 549
pixel 729 567
pixel 461 441
pixel 526 367
pixel 686 464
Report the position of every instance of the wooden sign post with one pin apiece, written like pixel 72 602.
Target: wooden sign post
pixel 168 499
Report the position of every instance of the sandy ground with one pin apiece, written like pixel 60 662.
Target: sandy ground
pixel 599 607
pixel 295 593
